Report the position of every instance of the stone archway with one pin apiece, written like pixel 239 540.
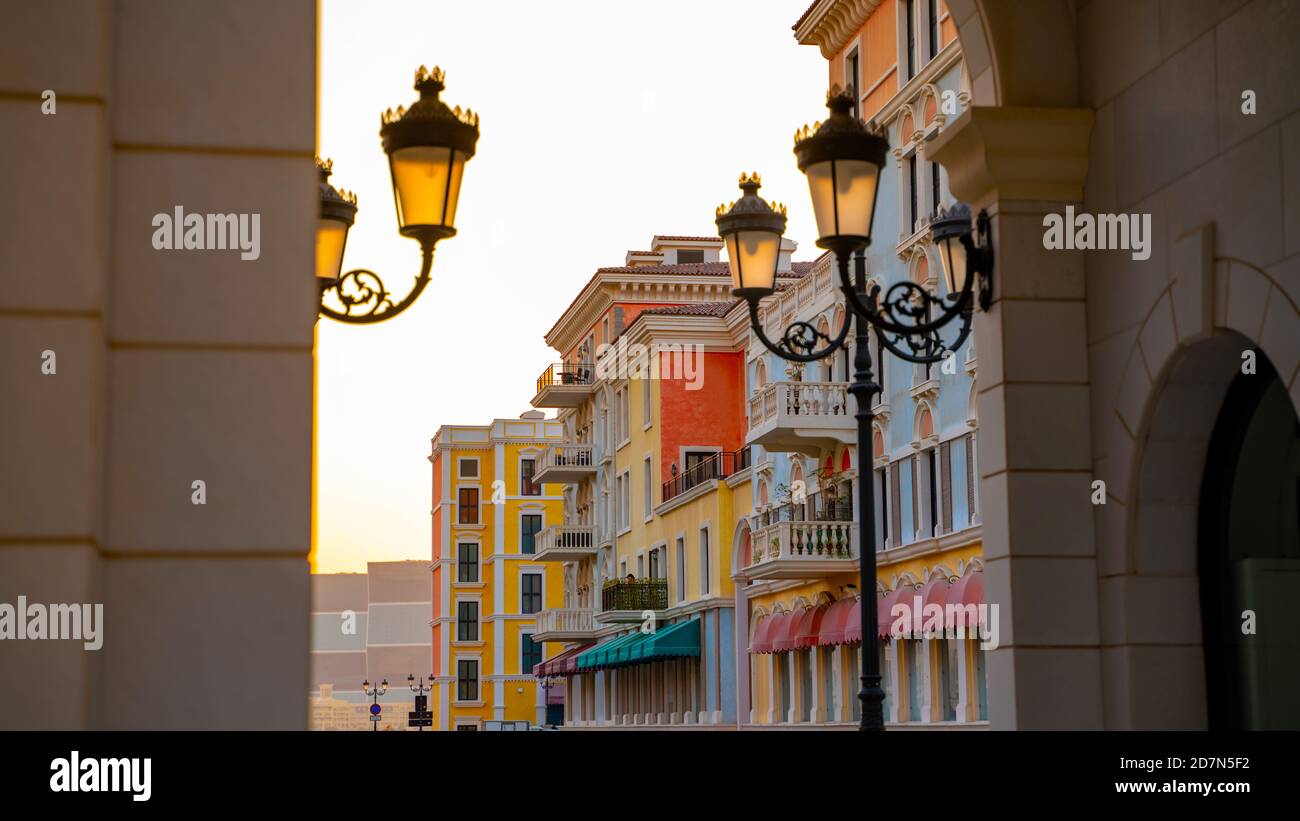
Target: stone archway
pixel 1080 351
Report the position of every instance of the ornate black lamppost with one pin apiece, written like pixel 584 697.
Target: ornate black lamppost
pixel 427 146
pixel 374 693
pixel 418 714
pixel 842 161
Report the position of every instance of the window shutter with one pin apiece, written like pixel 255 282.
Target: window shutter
pixel 945 479
pixel 916 495
pixel 618 321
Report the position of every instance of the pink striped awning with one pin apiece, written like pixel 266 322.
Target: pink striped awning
pixel 965 592
pixel 561 664
pixel 835 622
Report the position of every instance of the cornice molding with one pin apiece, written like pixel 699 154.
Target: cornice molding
pixel 833 22
pixel 1015 153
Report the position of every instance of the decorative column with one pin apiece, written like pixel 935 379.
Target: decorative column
pixel 1035 451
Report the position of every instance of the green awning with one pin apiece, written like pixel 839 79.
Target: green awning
pixel 674 641
pixel 598 656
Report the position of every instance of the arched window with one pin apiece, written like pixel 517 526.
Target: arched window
pixel 824 366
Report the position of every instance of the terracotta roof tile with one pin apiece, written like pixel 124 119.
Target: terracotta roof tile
pixel 804 16
pixel 672 238
pixel 696 309
pixel 702 269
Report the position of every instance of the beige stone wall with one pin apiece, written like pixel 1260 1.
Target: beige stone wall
pixel 172 366
pixel 1099 366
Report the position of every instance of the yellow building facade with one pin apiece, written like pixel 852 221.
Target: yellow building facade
pixel 488 583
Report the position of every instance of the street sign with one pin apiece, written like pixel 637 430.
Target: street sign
pixel 374 711
pixel 414 719
pixel 421 704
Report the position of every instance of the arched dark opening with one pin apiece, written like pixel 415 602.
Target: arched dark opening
pixel 1249 556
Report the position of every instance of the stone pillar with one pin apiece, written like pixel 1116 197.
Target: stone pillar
pixel 173 367
pixel 1035 453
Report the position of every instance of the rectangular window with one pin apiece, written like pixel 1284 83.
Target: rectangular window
pixel 527 487
pixel 782 668
pixel 645 402
pixel 467 506
pixel 647 482
pixel 467 679
pixel 830 694
pixel 885 681
pixel 530 653
pixel 681 569
pixel 529 525
pixel 945 487
pixel 803 662
pixel 687 256
pixel 911 193
pixel 882 508
pixel 981 683
pixel 914 649
pixel 906 496
pixel 852 661
pixel 656 570
pixel 704 561
pixel 935 197
pixel 851 81
pixel 934 27
pixel 624 501
pixel 468 469
pixel 466 621
pixel 531 587
pixel 960 508
pixel 909 11
pixel 932 489
pixel 948 678
pixel 467 562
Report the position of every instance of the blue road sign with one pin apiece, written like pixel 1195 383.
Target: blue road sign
pixel 374 709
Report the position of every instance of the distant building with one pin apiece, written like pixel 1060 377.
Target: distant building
pixel 368 627
pixel 489 511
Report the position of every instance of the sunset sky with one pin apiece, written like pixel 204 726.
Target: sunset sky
pixel 603 123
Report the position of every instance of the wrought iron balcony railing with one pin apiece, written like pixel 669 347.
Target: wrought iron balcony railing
pixel 718 466
pixel 637 594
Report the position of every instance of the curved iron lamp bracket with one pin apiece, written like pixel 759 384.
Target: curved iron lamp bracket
pixel 902 318
pixel 364 298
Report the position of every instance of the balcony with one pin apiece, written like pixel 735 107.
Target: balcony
pixel 802 416
pixel 718 466
pixel 564 385
pixel 627 600
pixel 566 543
pixel 565 624
pixel 567 464
pixel 788 549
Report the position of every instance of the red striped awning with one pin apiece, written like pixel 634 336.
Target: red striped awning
pixel 561 664
pixel 966 591
pixel 800 630
pixel 853 628
pixel 768 630
pixel 903 594
pixel 935 592
pixel 834 623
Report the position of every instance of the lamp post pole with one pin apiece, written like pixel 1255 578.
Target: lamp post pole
pixel 863 388
pixel 842 161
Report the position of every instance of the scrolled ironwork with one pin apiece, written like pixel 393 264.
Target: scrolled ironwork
pixel 364 297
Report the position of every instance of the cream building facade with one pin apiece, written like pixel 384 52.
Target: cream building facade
pixel 166 372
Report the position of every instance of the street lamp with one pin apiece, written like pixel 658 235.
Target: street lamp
pixel 842 161
pixel 420 690
pixel 338 210
pixel 374 693
pixel 427 145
